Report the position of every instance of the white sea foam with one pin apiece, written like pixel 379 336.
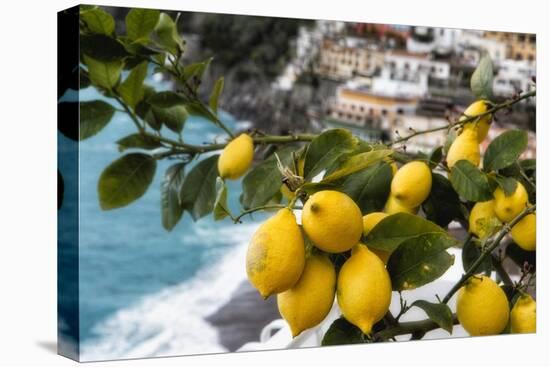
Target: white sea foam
pixel 172 322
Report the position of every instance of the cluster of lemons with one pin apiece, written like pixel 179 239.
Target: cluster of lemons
pixel 488 215
pixel 306 284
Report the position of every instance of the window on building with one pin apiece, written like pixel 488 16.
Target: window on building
pixel 362 109
pixel 521 37
pixel 384 112
pixel 399 111
pixel 532 39
pixel 531 58
pixel 352 107
pixel 518 56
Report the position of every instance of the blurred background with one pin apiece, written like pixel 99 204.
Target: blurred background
pixel 147 292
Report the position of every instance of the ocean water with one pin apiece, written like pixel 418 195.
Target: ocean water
pixel 144 291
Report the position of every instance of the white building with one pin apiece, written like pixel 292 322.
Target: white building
pixel 475 40
pixel 512 76
pixel 429 39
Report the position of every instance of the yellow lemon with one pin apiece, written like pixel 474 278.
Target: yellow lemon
pixel 276 254
pixel 364 289
pixel 482 307
pixel 483 220
pixel 524 233
pixel 394 206
pixel 523 318
pixel 464 147
pixel 483 124
pixel 236 157
pixel 508 207
pixel 332 221
pixel 310 300
pixel 412 183
pixel 369 222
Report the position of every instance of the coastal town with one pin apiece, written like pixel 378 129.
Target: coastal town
pixel 388 79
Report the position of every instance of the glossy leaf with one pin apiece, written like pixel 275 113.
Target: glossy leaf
pixel 98 21
pixel 221 210
pixel 263 181
pixel 198 192
pixel 166 99
pixel 395 229
pixel 167 36
pixel 358 162
pixel 439 313
pixel 505 150
pixel 138 141
pixel 370 187
pixel 102 48
pixel 94 116
pixel 141 22
pixel 103 74
pixel 420 260
pixel 131 89
pixel 326 149
pixel 469 182
pixel 216 92
pixel 481 82
pixel 171 208
pixel 126 180
pixel 443 204
pixel 342 332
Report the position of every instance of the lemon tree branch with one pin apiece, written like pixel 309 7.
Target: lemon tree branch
pixel 487 251
pixel 495 108
pixel 411 327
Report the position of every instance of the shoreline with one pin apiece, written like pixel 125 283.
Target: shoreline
pixel 242 318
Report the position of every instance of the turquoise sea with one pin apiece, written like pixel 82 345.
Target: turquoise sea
pixel 145 291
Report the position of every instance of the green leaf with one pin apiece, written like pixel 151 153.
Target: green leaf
pixel 174 117
pixel 470 253
pixel 358 162
pixel 505 149
pixel 126 180
pixel 507 184
pixel 141 22
pixel 166 35
pixel 370 187
pixel 439 313
pixel 171 209
pixel 264 181
pixel 94 116
pixel 102 48
pixel 443 204
pixel 131 89
pixel 469 182
pixel 216 91
pixel 103 74
pixel 98 21
pixel 420 260
pixel 198 192
pixel 221 209
pixel 326 149
pixel 395 229
pixel 139 141
pixel 481 82
pixel 166 99
pixel 342 332
pixel 435 157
